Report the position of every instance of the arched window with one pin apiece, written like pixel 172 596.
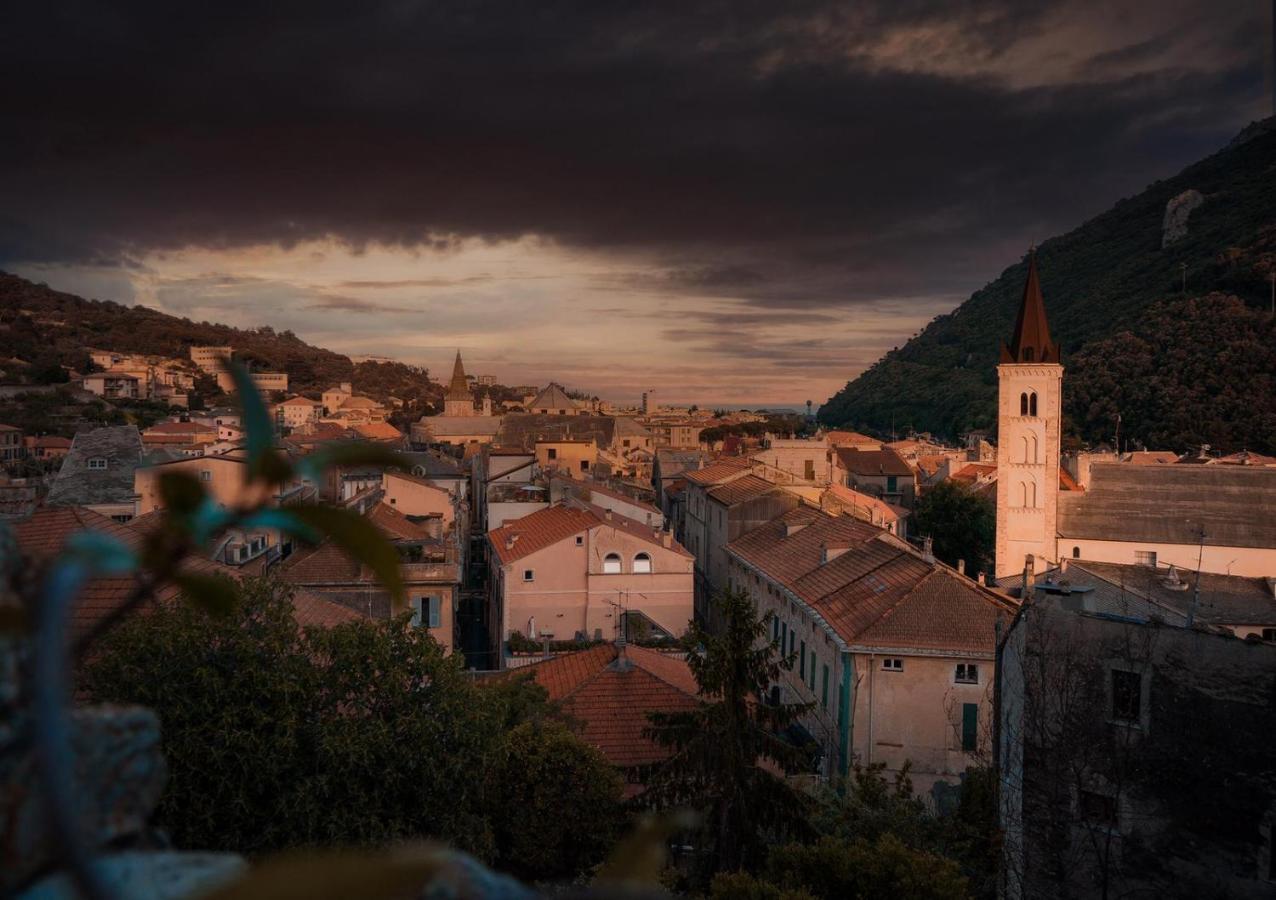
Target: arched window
pixel 1028 494
pixel 1032 404
pixel 642 563
pixel 1026 449
pixel 1076 552
pixel 1030 448
pixel 611 564
pixel 1023 404
pixel 1028 353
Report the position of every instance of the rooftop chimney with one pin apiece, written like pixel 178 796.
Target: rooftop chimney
pixel 961 567
pixel 607 514
pixel 928 549
pixel 980 578
pixel 666 538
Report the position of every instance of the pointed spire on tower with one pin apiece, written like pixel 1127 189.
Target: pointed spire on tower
pixel 459 388
pixel 1031 340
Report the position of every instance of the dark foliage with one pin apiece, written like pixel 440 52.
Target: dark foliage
pixel 1099 280
pixel 364 734
pixel 961 521
pixel 725 752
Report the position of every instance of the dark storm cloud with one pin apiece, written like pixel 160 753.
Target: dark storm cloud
pixel 788 154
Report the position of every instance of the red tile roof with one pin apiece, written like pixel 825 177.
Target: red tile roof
pixel 878 591
pixel 396 526
pixel 717 473
pixel 539 530
pixel 873 462
pixel 42 536
pixel 378 431
pixel 609 703
pixel 741 489
pixel 314 609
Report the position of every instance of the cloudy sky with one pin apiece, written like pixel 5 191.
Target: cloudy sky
pixel 718 201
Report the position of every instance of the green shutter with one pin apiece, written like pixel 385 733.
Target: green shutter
pixel 969 726
pixel 436 612
pixel 802 663
pixel 824 691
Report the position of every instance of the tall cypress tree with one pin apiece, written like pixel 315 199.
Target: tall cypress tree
pixel 729 755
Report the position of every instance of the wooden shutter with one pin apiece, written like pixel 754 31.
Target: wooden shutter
pixel 969 727
pixel 436 612
pixel 416 611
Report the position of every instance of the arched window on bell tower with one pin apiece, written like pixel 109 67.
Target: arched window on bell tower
pixel 1023 404
pixel 1032 403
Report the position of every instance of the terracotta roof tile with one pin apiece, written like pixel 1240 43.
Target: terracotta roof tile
pixel 539 530
pixel 884 461
pixel 610 704
pixel 740 490
pixel 717 473
pixel 396 526
pixel 873 590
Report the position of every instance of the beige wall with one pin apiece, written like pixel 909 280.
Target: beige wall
pixel 915 715
pixel 1253 562
pixel 569 592
pixel 1027 462
pixel 412 498
pixel 568 456
pixel 807 460
pixel 225 481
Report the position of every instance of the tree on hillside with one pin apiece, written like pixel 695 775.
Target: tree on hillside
pixel 961 522
pixel 728 755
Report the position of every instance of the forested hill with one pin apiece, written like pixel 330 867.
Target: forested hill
pixel 1104 284
pixel 46 328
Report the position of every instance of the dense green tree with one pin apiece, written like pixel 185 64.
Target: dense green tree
pixel 362 734
pixel 961 521
pixel 540 773
pixel 729 755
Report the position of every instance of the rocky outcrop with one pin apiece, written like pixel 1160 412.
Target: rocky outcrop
pixel 1177 211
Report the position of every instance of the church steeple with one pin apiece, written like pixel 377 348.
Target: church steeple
pixel 1031 341
pixel 458 401
pixel 459 389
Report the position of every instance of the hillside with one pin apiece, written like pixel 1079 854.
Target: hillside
pixel 41 326
pixel 1100 281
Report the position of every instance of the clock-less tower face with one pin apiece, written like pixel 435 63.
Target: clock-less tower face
pixel 1029 415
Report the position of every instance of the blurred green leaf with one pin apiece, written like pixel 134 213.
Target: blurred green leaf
pixel 102 553
pixel 352 453
pixel 215 594
pixel 275 468
pixel 641 857
pixel 336 876
pixel 259 430
pixel 181 492
pixel 358 537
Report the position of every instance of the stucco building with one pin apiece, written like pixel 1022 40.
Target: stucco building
pixel 572 569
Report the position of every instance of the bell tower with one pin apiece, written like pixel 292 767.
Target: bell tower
pixel 1029 416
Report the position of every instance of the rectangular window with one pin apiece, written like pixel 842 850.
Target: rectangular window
pixel 811 674
pixel 802 662
pixel 1269 634
pixel 792 640
pixel 967 673
pixel 1145 558
pixel 205 475
pixel 436 612
pixel 775 629
pixel 892 484
pixel 584 465
pixel 529 575
pixel 580 540
pixel 551 453
pixel 97 463
pixel 809 470
pixel 969 727
pixel 1127 695
pixel 892 665
pixel 784 635
pixel 824 687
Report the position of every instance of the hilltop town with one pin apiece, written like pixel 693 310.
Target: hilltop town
pixel 552 532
